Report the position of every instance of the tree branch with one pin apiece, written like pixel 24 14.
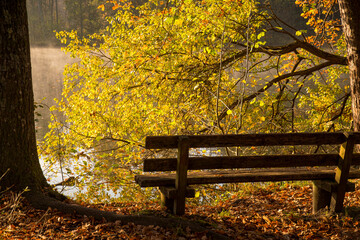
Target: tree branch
pixel 272 82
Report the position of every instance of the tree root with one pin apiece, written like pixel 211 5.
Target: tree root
pixel 41 201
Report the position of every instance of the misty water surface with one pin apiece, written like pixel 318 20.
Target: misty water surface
pixel 47 73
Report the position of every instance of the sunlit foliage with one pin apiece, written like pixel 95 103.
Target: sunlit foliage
pixel 190 67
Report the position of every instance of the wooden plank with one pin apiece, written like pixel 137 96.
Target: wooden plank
pixel 264 161
pixel 155 180
pixel 276 139
pixel 342 173
pixel 253 175
pixel 170 192
pixel 332 186
pixel 181 175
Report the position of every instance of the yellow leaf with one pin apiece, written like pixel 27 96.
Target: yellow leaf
pixel 229 112
pixel 102 7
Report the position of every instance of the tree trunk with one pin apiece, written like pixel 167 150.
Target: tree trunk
pixel 350 17
pixel 57 14
pixel 81 12
pixel 18 151
pixel 52 15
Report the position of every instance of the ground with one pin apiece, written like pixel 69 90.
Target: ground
pixel 272 212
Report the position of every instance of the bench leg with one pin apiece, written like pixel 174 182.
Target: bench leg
pixel 181 175
pixel 342 173
pixel 325 192
pixel 168 196
pixel 179 205
pixel 321 197
pixel 167 203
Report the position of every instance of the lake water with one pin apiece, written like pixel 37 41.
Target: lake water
pixel 47 73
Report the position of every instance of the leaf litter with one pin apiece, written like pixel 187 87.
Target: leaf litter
pixel 272 212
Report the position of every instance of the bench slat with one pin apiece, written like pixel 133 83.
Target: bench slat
pixel 254 175
pixel 199 163
pixel 171 192
pixel 275 139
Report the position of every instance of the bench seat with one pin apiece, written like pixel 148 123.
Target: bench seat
pixel 253 175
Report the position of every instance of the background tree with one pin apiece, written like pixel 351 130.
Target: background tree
pixel 349 10
pixel 84 16
pixel 45 16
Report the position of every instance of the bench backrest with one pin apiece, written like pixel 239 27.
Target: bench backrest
pixel 243 140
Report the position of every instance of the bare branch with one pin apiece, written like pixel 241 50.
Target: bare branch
pixel 272 82
pixel 345 98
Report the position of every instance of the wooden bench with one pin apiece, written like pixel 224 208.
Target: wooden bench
pixel 328 171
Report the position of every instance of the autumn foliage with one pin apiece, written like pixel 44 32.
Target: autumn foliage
pixel 191 67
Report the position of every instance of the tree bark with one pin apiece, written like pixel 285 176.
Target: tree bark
pixel 18 151
pixel 350 18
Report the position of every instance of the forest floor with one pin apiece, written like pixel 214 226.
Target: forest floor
pixel 272 212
